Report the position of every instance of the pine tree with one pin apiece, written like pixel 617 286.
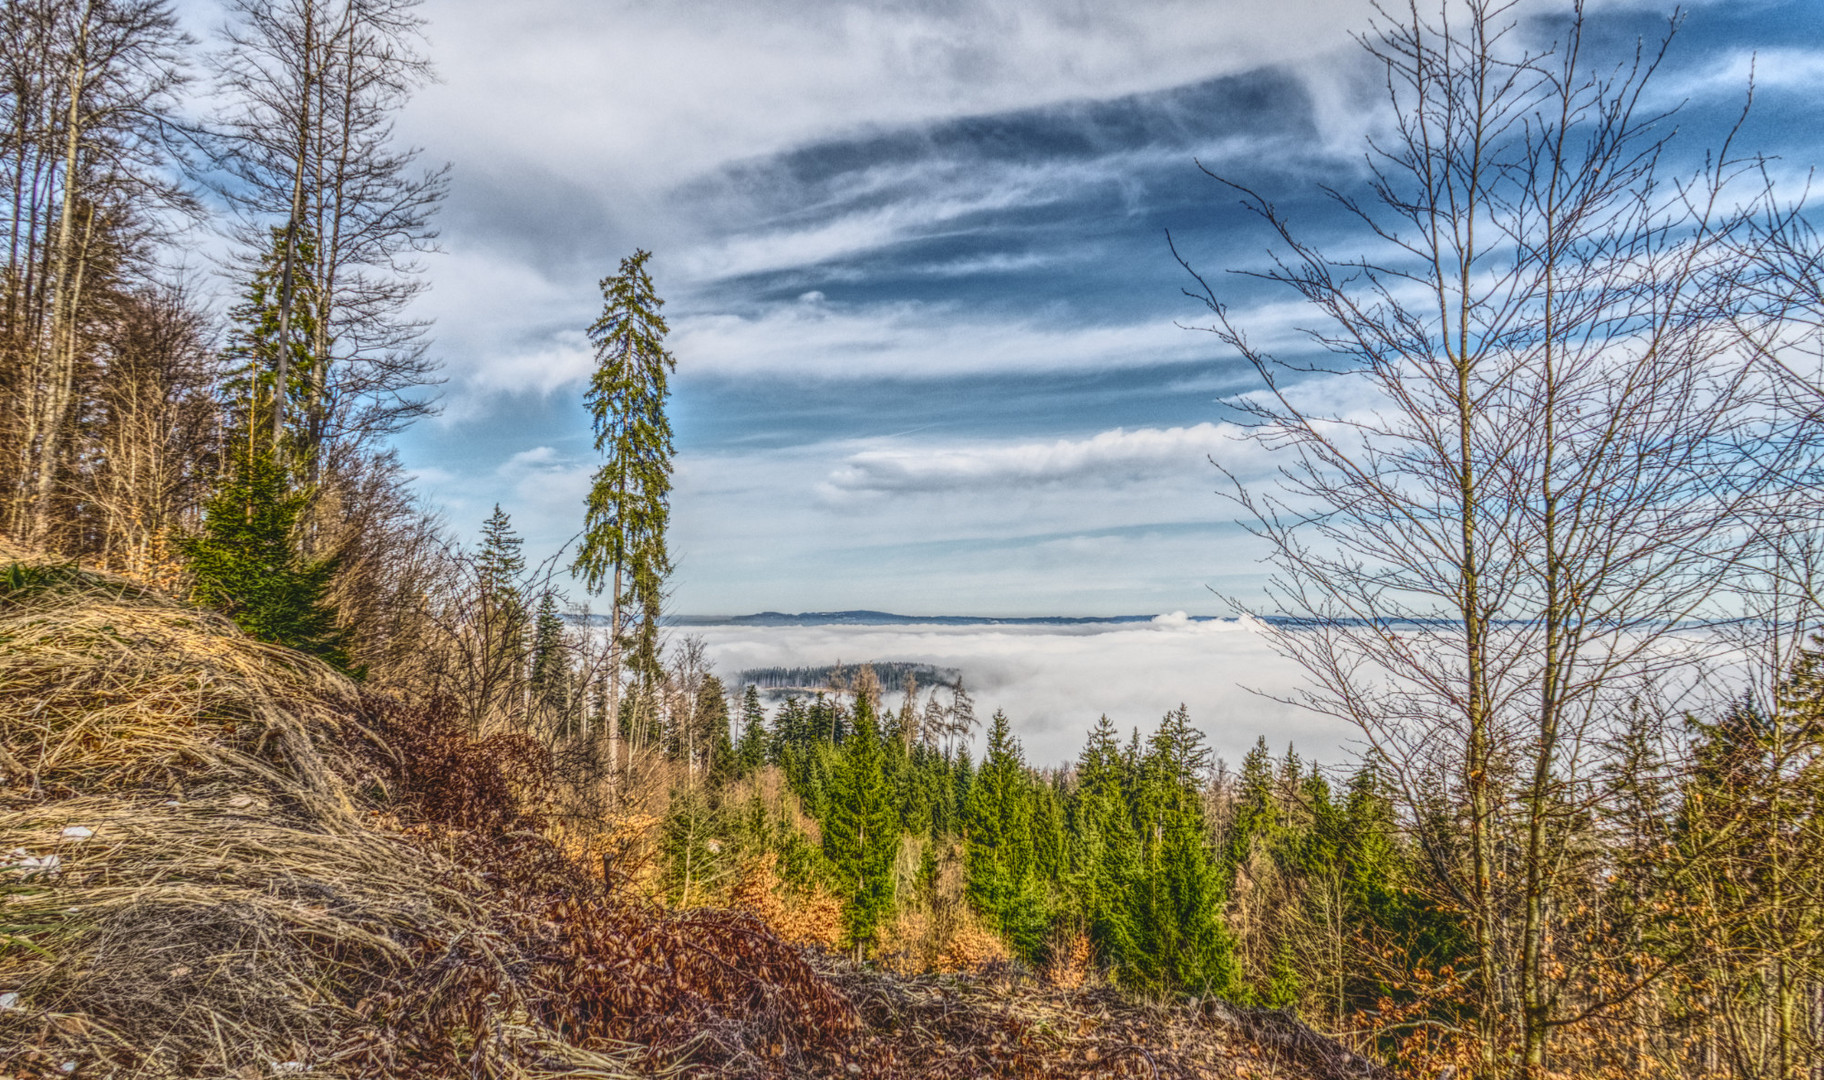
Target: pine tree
pixel 629 508
pixel 246 561
pixel 861 831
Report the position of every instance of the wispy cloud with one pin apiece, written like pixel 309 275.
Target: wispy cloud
pixel 1109 457
pixel 940 219
pixel 646 95
pixel 918 340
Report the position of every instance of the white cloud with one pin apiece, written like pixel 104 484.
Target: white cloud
pixel 1728 75
pixel 563 360
pixel 750 533
pixel 645 95
pixel 1109 457
pixel 917 340
pixel 873 208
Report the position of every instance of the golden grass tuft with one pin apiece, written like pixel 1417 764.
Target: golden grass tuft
pixel 109 687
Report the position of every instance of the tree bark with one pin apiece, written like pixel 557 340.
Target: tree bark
pixel 59 368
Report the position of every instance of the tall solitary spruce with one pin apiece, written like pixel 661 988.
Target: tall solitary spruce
pixel 623 546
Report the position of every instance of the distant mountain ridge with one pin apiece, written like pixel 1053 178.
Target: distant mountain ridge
pixel 887 618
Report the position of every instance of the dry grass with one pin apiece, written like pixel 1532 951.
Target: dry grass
pixel 193 883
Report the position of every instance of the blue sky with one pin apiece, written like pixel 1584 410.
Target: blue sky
pixel 915 262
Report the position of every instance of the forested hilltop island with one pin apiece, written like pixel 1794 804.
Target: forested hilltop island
pixel 298 781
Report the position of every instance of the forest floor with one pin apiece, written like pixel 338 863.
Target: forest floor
pixel 222 858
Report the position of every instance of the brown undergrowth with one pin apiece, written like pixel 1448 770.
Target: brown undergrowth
pixel 222 858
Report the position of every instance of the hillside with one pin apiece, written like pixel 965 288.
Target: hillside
pixel 219 857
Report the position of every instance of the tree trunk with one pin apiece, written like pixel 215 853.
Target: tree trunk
pixel 281 382
pixel 60 371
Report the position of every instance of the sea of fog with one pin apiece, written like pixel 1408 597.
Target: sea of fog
pixel 1054 680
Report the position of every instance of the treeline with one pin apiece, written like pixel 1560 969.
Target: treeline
pixel 892 675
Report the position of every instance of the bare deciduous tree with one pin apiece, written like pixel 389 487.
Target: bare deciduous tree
pixel 155 426
pixel 88 105
pixel 1550 466
pixel 312 87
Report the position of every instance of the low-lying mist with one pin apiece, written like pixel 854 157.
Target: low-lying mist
pixel 1053 681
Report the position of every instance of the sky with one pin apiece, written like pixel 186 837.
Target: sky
pixel 933 350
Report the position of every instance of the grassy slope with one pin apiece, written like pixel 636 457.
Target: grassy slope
pixel 221 858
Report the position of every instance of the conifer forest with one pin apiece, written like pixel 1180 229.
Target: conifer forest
pixel 1560 583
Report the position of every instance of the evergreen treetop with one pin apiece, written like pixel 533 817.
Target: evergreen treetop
pixel 246 561
pixel 629 509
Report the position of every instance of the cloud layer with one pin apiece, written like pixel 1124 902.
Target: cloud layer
pixel 1054 683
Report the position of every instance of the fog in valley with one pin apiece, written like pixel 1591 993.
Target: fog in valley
pixel 1054 680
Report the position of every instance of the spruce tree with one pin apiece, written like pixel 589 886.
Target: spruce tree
pixel 751 751
pixel 1283 983
pixel 1257 811
pixel 272 383
pixel 1050 846
pixel 1000 849
pixel 1751 834
pixel 549 681
pixel 789 726
pixel 501 620
pixel 499 564
pixel 934 721
pixel 623 547
pixel 861 830
pixel 1183 943
pixel 246 561
pixel 960 718
pixel 1104 849
pixel 712 732
pixel 962 781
